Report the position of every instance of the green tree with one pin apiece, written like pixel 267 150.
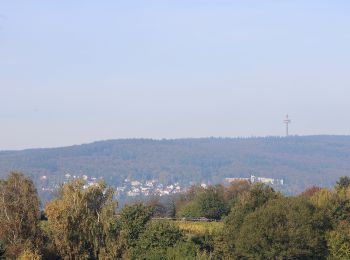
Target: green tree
pixel 286 228
pixel 338 241
pixel 157 237
pixel 234 190
pixel 133 220
pixel 82 222
pixel 343 182
pixel 19 214
pixel 205 242
pixel 336 204
pixel 211 203
pixel 247 202
pixel 257 196
pixel 184 250
pixel 191 209
pixel 208 203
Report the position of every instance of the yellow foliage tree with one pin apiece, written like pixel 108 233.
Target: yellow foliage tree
pixel 19 215
pixel 82 222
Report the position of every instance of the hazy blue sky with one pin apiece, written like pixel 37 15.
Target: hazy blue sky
pixel 78 71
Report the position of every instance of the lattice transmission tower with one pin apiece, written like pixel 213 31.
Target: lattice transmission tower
pixel 287 121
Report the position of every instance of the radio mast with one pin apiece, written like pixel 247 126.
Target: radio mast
pixel 287 121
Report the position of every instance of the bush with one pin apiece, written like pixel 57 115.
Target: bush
pixel 208 203
pixel 156 239
pixel 286 228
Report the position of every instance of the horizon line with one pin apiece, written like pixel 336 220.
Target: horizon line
pixel 168 139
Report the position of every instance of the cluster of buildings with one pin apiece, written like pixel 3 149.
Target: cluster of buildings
pixel 255 179
pixel 134 188
pixel 129 188
pixel 90 181
pixel 53 183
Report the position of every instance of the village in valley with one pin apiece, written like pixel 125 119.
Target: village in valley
pixel 134 188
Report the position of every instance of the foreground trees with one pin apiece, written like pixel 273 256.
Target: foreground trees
pixel 338 241
pixel 133 220
pixel 19 215
pixel 212 202
pixel 247 202
pixel 343 182
pixel 82 223
pixel 285 228
pixel 257 223
pixel 157 238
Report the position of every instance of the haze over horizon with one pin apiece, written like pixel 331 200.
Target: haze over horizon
pixel 83 71
pixel 90 142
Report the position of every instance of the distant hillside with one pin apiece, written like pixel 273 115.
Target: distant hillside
pixel 300 161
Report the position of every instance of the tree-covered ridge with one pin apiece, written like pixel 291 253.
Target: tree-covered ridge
pixel 300 161
pixel 256 222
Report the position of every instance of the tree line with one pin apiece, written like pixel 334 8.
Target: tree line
pixel 257 223
pixel 189 160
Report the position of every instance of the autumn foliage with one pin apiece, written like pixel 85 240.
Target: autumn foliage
pixel 252 222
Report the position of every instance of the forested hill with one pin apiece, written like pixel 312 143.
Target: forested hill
pixel 300 161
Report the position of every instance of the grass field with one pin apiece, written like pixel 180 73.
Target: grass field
pixel 192 227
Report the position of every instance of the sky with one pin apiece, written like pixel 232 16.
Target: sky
pixel 74 72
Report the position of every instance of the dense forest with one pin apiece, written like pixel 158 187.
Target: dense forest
pixel 300 161
pixel 250 221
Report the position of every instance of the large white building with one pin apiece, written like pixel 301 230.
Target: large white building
pixel 254 179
